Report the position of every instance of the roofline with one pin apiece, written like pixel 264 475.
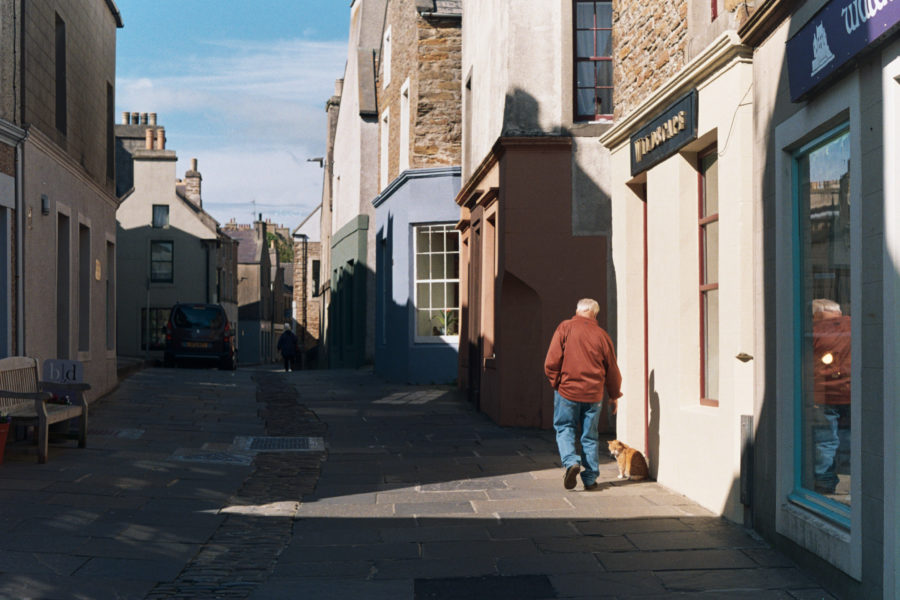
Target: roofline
pixel 115 13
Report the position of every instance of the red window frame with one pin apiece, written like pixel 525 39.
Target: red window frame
pixel 594 58
pixel 706 286
pixel 713 10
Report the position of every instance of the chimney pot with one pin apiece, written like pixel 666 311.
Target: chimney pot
pixel 135 118
pixel 143 118
pixel 193 164
pixel 148 144
pixel 153 119
pixel 160 139
pixel 126 117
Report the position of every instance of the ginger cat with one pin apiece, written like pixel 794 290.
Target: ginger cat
pixel 631 462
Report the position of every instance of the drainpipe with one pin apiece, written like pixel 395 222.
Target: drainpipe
pixel 20 246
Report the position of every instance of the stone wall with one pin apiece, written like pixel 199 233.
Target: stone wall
pixel 427 51
pixel 649 45
pixel 307 302
pixel 437 133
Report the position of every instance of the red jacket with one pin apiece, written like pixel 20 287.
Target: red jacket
pixel 831 353
pixel 581 361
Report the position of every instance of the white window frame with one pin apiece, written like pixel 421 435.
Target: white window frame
pixel 385 147
pixel 835 544
pixel 404 127
pixel 432 339
pixel 386 56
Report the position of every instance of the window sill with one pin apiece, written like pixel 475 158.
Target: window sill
pixel 435 340
pixel 831 543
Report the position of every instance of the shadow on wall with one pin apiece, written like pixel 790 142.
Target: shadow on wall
pixel 547 261
pixel 405 349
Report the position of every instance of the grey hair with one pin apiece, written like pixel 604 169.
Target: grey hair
pixel 588 305
pixel 824 304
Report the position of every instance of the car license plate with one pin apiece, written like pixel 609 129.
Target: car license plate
pixel 196 344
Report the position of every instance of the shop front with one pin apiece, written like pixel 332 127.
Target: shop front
pixel 685 266
pixel 829 178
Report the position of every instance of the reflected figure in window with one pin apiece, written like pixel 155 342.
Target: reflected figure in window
pixel 831 388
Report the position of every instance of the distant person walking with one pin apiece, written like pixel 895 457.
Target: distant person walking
pixel 580 365
pixel 287 345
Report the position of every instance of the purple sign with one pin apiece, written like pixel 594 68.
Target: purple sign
pixel 833 36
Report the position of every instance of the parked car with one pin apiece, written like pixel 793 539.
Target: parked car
pixel 199 332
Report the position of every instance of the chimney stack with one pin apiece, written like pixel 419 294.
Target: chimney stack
pixel 192 183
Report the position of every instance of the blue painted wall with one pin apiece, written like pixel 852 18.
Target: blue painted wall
pixel 416 197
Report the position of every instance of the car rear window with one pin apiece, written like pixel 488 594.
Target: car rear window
pixel 206 317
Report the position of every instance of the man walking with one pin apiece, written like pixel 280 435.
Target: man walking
pixel 287 345
pixel 581 364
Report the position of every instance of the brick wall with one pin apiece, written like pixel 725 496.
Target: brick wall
pixel 649 44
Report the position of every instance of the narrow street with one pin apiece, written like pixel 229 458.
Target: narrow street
pixel 331 484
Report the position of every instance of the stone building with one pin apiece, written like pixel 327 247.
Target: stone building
pixel 306 290
pixel 256 298
pixel 534 202
pixel 57 183
pixel 417 304
pixel 347 223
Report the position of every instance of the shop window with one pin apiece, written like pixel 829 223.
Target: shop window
pixel 437 282
pixel 162 256
pixel 708 225
pixel 160 215
pixel 152 324
pixel 593 60
pixel 823 316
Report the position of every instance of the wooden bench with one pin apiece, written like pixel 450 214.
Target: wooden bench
pixel 30 401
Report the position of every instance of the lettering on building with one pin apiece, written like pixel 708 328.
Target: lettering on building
pixel 665 135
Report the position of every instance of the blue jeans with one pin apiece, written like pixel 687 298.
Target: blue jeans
pixel 567 417
pixel 827 443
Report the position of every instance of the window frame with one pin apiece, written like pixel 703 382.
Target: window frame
pixel 171 278
pixel 703 221
pixel 434 339
pixel 153 216
pixel 593 59
pixel 826 508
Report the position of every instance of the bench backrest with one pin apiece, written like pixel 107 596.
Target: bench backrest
pixel 18 374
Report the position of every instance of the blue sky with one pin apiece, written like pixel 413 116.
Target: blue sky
pixel 240 85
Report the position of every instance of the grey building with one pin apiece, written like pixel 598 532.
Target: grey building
pixel 170 249
pixel 256 306
pixel 57 183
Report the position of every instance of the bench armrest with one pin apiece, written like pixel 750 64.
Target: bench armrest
pixel 42 396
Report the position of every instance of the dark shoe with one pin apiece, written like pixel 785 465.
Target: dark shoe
pixel 571 476
pixel 592 487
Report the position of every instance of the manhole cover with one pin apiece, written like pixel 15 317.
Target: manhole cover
pixel 279 444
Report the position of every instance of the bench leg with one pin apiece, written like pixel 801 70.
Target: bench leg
pixel 43 437
pixel 83 424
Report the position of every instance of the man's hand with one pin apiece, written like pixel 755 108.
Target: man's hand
pixel 615 405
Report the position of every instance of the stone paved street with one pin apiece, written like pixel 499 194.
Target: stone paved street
pixel 412 495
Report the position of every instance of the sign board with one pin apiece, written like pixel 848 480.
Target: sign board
pixel 837 33
pixel 665 135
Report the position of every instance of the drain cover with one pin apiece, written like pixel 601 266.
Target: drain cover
pixel 280 444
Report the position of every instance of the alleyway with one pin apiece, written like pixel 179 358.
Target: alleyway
pixel 368 491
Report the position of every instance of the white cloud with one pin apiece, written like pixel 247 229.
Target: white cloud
pixel 251 113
